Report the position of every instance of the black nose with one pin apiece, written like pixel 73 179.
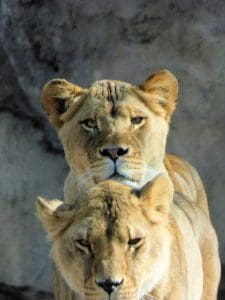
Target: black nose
pixel 113 153
pixel 108 285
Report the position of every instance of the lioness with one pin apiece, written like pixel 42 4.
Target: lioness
pixel 119 243
pixel 117 130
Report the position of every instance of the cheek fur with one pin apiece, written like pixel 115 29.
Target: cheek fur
pixel 71 265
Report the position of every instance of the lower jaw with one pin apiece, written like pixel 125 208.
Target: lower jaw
pixel 125 180
pixel 119 178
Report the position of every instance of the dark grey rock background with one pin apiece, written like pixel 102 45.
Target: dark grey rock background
pixel 84 41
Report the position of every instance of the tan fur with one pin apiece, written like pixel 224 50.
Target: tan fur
pixel 155 99
pixel 112 105
pixel 92 243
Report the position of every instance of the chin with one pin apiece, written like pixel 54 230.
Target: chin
pixel 125 180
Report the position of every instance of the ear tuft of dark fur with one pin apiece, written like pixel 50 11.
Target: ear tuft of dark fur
pixel 60 105
pixel 57 96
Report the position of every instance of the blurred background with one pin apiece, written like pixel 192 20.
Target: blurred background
pixel 84 41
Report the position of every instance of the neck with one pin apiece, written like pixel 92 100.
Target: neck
pixel 151 172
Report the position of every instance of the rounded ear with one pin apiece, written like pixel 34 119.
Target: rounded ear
pixel 162 88
pixel 156 197
pixel 54 215
pixel 57 97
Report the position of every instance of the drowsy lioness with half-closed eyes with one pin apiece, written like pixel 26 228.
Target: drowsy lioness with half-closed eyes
pixel 117 243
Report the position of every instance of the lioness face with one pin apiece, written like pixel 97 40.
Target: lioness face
pixel 113 130
pixel 125 144
pixel 115 245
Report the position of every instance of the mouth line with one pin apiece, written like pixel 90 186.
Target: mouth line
pixel 117 175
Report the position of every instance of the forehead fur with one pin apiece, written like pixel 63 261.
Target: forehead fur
pixel 115 90
pixel 113 200
pixel 114 187
pixel 108 193
pixel 104 195
pixel 109 89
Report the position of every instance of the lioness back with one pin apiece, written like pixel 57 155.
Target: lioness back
pixel 186 180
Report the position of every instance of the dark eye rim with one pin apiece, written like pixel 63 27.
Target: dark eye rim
pixel 135 241
pixel 84 246
pixel 86 121
pixel 83 243
pixel 137 120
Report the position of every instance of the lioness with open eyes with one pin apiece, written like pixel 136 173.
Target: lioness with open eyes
pixel 117 130
pixel 117 243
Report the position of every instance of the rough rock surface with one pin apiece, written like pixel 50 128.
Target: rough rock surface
pixel 84 41
pixel 23 293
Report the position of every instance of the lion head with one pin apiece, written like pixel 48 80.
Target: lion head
pixel 114 243
pixel 113 129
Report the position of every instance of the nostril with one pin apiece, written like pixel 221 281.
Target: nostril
pixel 113 153
pixel 108 285
pixel 122 151
pixel 104 152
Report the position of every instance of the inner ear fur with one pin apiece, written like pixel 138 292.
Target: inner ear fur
pixel 57 96
pixel 55 215
pixel 161 92
pixel 157 197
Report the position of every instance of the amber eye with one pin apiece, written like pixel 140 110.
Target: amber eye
pixel 89 124
pixel 134 241
pixel 137 120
